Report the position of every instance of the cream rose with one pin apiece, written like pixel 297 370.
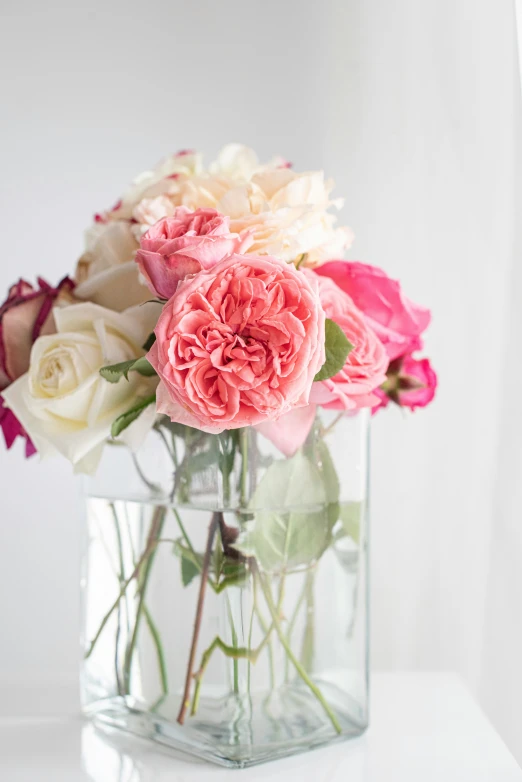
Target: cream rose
pixel 106 273
pixel 63 402
pixel 240 163
pixel 287 212
pixel 165 179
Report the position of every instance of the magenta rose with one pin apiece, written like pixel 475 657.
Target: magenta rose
pixel 184 244
pixel 411 382
pixel 239 344
pixel 24 316
pixel 396 320
pixel 365 367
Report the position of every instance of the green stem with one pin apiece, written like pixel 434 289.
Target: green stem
pixel 334 423
pixel 156 638
pixel 185 702
pixel 250 635
pixel 184 532
pixel 122 592
pixel 225 472
pixel 243 440
pixel 159 650
pixel 161 433
pixel 307 649
pixel 234 644
pixel 293 659
pixel 234 652
pixel 291 626
pixel 121 581
pixel 154 488
pixel 264 628
pixel 156 527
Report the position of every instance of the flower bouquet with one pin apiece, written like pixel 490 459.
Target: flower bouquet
pixel 212 366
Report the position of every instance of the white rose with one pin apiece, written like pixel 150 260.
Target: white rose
pixel 106 273
pixel 240 163
pixel 165 179
pixel 205 191
pixel 288 215
pixel 149 211
pixel 235 165
pixel 63 402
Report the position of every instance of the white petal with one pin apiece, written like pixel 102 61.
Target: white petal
pixel 116 288
pixel 237 161
pixel 89 464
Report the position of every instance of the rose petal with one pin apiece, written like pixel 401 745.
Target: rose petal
pixel 290 431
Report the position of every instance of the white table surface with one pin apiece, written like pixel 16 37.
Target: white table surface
pixel 424 727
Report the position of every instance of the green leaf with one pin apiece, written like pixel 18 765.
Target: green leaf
pixel 202 460
pixel 125 420
pixel 291 525
pixel 337 348
pixel 350 515
pixel 189 571
pixel 151 339
pixel 330 480
pixel 143 367
pixel 181 550
pixel 233 571
pixel 115 372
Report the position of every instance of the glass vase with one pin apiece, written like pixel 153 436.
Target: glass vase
pixel 224 590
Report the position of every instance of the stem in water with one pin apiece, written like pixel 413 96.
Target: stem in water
pixel 214 524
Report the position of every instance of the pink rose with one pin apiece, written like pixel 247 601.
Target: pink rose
pixel 239 344
pixel 365 367
pixel 24 316
pixel 183 244
pixel 396 320
pixel 411 383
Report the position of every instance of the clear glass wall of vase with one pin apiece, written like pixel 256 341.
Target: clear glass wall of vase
pixel 225 590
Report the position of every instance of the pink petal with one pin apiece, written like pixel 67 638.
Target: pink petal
pixel 290 431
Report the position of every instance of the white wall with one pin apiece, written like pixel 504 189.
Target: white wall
pixel 411 107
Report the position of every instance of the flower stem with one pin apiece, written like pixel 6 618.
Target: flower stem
pixel 264 628
pixel 184 532
pixel 293 659
pixel 307 649
pixel 121 581
pixel 250 636
pixel 235 652
pixel 243 440
pixel 291 626
pixel 334 423
pixel 233 634
pixel 185 703
pixel 159 650
pixel 122 592
pixel 156 527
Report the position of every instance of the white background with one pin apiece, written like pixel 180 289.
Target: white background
pixel 414 108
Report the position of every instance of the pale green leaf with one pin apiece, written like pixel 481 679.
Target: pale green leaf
pixel 115 372
pixel 125 420
pixel 350 516
pixel 291 524
pixel 330 480
pixel 189 571
pixel 337 347
pixel 143 367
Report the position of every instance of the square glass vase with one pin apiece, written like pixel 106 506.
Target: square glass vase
pixel 225 590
